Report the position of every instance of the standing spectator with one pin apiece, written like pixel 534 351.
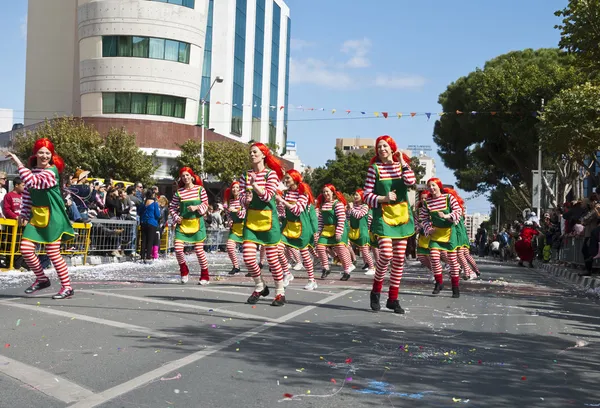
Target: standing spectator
pixel 12 201
pixel 139 191
pixel 156 191
pixel 137 203
pixel 113 204
pixel 149 219
pixel 3 192
pixel 590 221
pixel 163 203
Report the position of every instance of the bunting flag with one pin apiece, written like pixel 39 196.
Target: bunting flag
pixel 351 113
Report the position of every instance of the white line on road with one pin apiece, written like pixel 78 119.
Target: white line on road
pixel 121 389
pixel 43 381
pixel 183 305
pixel 90 319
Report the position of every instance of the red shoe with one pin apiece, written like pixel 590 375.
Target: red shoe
pixel 204 278
pixel 184 271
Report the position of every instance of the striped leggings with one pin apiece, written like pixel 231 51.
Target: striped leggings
pixel 231 251
pixel 436 265
pixel 390 251
pixel 53 251
pixel 341 251
pixel 365 252
pixel 200 254
pixel 470 260
pixel 272 254
pixel 304 255
pixel 462 260
pixel 424 260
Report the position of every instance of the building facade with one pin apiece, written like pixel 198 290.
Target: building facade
pixel 472 223
pixel 155 60
pixel 6 120
pixel 359 146
pixel 429 164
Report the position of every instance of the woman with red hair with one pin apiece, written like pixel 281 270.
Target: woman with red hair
pixel 237 212
pixel 297 231
pixel 187 208
pixel 43 215
pixel 360 221
pixel 333 230
pixel 439 216
pixel 386 192
pixel 258 189
pixel 423 241
pixel 466 261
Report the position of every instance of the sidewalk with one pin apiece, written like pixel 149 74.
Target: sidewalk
pixel 589 283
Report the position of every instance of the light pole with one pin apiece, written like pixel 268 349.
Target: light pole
pixel 217 79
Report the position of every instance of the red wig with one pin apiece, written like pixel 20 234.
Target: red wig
pixel 336 194
pixel 439 184
pixel 271 161
pixel 196 178
pixel 361 193
pixel 55 159
pixel 393 146
pixel 458 198
pixel 227 193
pixel 303 188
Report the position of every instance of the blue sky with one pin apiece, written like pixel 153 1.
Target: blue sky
pixel 381 56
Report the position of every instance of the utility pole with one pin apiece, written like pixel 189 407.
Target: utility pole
pixel 541 184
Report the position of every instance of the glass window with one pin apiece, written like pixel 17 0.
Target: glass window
pixel 171 50
pixel 123 102
pixel 179 108
pixel 178 2
pixel 108 102
pixel 168 106
pixel 154 105
pixel 184 53
pixel 189 3
pixel 140 46
pixel 124 46
pixel 157 48
pixel 109 46
pixel 138 103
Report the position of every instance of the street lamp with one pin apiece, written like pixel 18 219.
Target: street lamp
pixel 217 79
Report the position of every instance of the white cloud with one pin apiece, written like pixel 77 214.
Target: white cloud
pixel 358 50
pixel 23 26
pixel 297 44
pixel 317 72
pixel 399 81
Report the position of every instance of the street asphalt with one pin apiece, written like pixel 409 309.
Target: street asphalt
pixel 132 336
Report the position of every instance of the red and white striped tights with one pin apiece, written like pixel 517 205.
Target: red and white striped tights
pixel 424 260
pixel 470 260
pixel 436 265
pixel 390 251
pixel 200 254
pixel 341 251
pixel 462 260
pixel 53 252
pixel 365 252
pixel 272 254
pixel 304 255
pixel 283 259
pixel 231 251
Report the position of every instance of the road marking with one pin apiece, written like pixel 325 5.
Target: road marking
pixel 199 289
pixel 91 319
pixel 214 311
pixel 44 381
pixel 121 389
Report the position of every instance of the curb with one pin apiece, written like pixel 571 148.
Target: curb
pixel 587 282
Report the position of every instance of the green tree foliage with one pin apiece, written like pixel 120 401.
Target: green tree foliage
pixel 580 32
pixel 500 145
pixel 571 124
pixel 224 160
pixel 419 170
pixel 81 146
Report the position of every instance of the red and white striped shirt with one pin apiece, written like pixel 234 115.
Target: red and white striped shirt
pixel 340 213
pixel 300 202
pixel 38 179
pixel 235 205
pixel 386 172
pixel 359 211
pixel 268 183
pixel 188 194
pixel 438 204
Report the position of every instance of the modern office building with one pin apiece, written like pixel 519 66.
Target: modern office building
pixel 153 62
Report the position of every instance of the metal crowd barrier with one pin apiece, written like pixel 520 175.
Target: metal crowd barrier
pixel 111 237
pixel 11 234
pixel 570 252
pixel 164 239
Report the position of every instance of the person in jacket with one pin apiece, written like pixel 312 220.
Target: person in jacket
pixel 149 222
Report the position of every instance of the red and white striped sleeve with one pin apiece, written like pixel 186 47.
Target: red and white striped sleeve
pixel 320 218
pixel 204 198
pixel 360 211
pixel 340 213
pixel 456 210
pixel 25 204
pixel 424 219
pixel 174 207
pixel 39 180
pixel 270 188
pixel 243 187
pixel 408 176
pixel 301 205
pixel 369 219
pixel 370 196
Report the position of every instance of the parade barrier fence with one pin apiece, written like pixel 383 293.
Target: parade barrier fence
pixel 570 252
pixel 100 237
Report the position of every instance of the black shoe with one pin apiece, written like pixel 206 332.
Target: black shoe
pixel 279 300
pixel 233 271
pixel 345 277
pixel 465 277
pixel 260 265
pixel 531 264
pixel 455 292
pixel 375 305
pixel 248 275
pixel 37 285
pixel 253 299
pixel 437 288
pixel 365 267
pixel 325 273
pixel 64 293
pixel 521 264
pixel 395 306
pixel 478 274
